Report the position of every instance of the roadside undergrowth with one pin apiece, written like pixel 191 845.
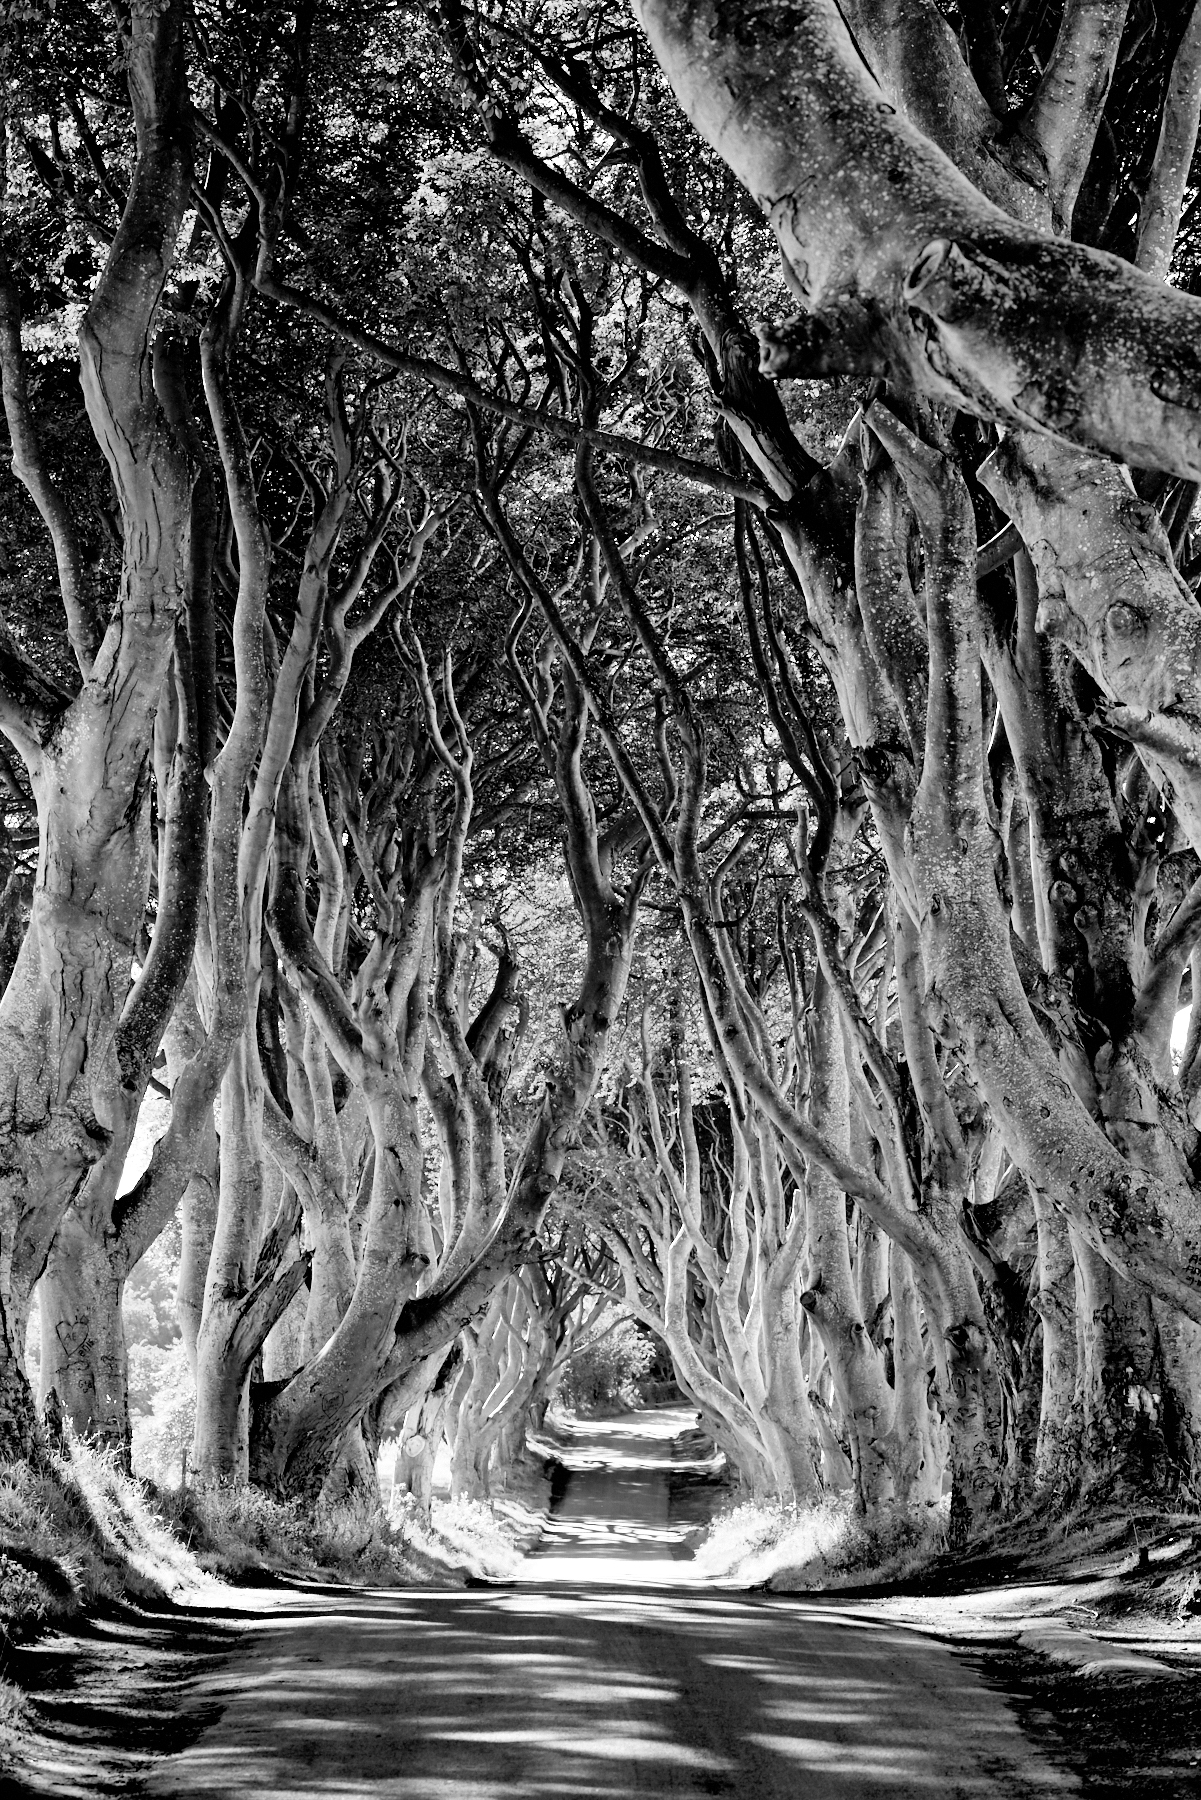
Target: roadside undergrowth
pixel 77 1533
pixel 465 1534
pixel 242 1534
pixel 824 1546
pixel 486 1539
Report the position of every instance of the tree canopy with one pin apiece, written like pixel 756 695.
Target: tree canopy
pixel 600 666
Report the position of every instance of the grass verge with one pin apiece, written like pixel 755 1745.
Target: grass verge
pixel 78 1536
pixel 825 1546
pixel 77 1533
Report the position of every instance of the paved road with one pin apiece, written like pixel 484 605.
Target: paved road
pixel 611 1526
pixel 603 1673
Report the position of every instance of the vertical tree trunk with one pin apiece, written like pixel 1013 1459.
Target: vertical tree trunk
pixel 18 1419
pixel 421 1437
pixel 198 1227
pixel 184 1039
pixel 470 1449
pixel 89 765
pixel 1057 1454
pixel 1120 1393
pixel 917 1456
pixel 786 1399
pixel 223 1351
pixel 831 1299
pixel 352 1475
pixel 83 1338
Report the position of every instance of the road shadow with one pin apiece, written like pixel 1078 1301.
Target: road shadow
pixel 573 1691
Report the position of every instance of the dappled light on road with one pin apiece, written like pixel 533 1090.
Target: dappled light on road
pixel 611 1526
pixel 572 1691
pixel 601 1674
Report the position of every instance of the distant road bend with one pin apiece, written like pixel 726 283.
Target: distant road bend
pixel 602 1673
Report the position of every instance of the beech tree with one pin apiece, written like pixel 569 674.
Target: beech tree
pixel 932 251
pixel 70 1067
pixel 1124 1191
pixel 448 521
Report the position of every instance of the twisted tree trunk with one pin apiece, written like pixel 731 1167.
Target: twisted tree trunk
pixel 62 1065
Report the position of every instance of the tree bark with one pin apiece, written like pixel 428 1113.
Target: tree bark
pixel 88 760
pixel 882 233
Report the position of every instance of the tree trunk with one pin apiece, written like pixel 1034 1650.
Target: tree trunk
pixel 831 1298
pixel 420 1438
pixel 18 1418
pixel 225 1349
pixel 1120 1392
pixel 60 1062
pixel 917 1456
pixel 283 1350
pixel 787 1422
pixel 184 1039
pixel 923 273
pixel 83 1339
pixel 306 1422
pixel 1057 1455
pixel 198 1228
pixel 352 1477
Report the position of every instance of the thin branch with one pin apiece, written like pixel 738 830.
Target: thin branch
pixel 1159 216
pixel 1062 123
pixel 84 625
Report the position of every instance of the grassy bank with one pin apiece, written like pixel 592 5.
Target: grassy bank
pixel 826 1546
pixel 78 1536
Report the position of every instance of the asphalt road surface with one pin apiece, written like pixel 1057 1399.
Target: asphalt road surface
pixel 603 1672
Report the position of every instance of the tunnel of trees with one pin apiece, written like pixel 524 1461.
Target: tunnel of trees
pixel 600 676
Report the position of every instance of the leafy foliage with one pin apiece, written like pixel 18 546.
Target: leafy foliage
pixel 604 1375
